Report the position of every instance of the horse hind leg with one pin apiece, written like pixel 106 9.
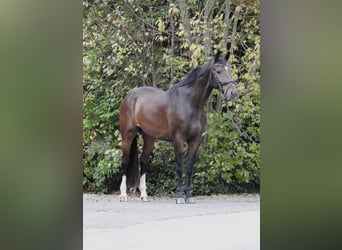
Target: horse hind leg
pixel 144 161
pixel 142 188
pixel 123 190
pixel 127 144
pixel 124 166
pixel 128 132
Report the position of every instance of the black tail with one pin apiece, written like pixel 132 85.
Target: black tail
pixel 133 166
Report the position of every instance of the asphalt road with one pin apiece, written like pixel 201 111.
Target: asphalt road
pixel 213 223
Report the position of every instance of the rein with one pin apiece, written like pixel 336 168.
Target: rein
pixel 243 133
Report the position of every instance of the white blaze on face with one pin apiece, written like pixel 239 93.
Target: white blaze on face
pixel 226 68
pixel 142 186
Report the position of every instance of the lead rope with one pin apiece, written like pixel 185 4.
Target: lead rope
pixel 244 134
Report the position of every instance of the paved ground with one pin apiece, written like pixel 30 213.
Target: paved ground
pixel 213 223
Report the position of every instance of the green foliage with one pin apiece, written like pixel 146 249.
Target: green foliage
pixel 128 44
pixel 226 161
pixel 162 175
pixel 101 164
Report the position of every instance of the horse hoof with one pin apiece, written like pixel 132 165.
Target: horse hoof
pixel 190 200
pixel 144 199
pixel 180 201
pixel 123 199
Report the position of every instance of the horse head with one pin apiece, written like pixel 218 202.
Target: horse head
pixel 222 78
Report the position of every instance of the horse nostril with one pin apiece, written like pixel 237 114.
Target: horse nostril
pixel 235 93
pixel 231 94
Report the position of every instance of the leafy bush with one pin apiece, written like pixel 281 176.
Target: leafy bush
pixel 101 163
pixel 226 161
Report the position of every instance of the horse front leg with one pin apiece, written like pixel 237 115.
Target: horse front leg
pixel 178 148
pixel 190 163
pixel 192 150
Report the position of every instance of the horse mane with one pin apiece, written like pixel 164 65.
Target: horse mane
pixel 188 79
pixel 192 76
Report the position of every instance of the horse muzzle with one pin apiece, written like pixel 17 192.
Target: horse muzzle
pixel 231 93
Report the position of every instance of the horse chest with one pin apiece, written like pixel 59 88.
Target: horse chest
pixel 195 128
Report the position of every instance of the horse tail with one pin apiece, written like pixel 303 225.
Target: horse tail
pixel 133 166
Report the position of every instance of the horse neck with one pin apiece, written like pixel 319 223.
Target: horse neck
pixel 201 90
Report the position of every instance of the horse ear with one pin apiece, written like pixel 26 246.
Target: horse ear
pixel 227 55
pixel 217 56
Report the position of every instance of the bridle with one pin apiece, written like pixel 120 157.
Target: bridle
pixel 219 83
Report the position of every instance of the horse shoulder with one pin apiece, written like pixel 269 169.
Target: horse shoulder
pixel 197 124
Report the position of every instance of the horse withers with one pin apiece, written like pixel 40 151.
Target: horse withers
pixel 175 115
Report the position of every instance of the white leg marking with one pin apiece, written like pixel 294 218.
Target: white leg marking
pixel 123 189
pixel 142 187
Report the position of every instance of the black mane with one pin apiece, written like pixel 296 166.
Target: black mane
pixel 191 77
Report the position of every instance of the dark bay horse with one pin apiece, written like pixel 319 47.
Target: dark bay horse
pixel 175 115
